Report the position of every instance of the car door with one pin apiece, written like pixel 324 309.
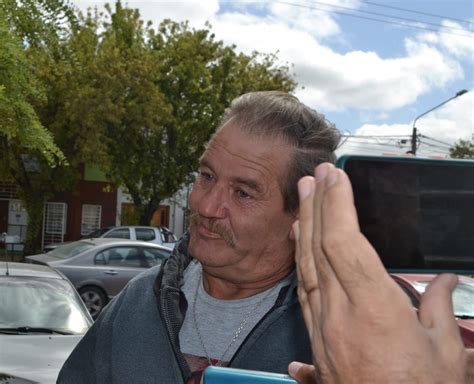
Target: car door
pixel 117 265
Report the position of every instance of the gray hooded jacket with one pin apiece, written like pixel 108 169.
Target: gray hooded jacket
pixel 135 339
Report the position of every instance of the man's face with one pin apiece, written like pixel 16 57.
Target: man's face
pixel 239 228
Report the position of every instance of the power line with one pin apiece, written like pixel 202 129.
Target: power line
pixel 371 144
pixel 362 149
pixel 413 11
pixel 378 136
pixel 436 140
pixel 389 16
pixel 375 19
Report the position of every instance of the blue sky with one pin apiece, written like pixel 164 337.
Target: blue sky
pixel 370 78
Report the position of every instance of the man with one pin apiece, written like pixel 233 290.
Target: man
pixel 344 290
pixel 227 295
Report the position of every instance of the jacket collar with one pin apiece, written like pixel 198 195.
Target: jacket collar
pixel 171 272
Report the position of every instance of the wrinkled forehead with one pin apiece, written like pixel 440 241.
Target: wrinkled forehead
pixel 264 153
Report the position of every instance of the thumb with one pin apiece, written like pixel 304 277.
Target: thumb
pixel 302 373
pixel 436 307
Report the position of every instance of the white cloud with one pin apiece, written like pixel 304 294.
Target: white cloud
pixel 315 22
pixel 449 124
pixel 198 12
pixel 454 39
pixel 338 81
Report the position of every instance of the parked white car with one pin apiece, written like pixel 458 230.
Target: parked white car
pixel 157 235
pixel 42 318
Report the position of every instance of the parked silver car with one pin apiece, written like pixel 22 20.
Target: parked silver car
pixel 157 235
pixel 42 318
pixel 100 268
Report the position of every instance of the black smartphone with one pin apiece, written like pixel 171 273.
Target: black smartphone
pixel 227 375
pixel 417 213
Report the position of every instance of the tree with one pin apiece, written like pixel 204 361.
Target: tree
pixel 27 148
pixel 111 90
pixel 172 85
pixel 56 54
pixel 464 149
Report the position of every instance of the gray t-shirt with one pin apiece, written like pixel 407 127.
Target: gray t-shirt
pixel 222 324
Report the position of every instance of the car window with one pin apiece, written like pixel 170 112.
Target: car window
pixel 72 249
pixel 97 233
pixel 145 234
pixel 119 257
pixel 41 303
pixel 155 256
pixel 120 233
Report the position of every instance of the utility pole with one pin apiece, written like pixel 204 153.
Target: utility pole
pixel 414 136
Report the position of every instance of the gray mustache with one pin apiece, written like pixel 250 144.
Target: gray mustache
pixel 213 226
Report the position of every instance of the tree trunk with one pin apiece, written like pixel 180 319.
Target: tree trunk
pixel 146 213
pixel 34 205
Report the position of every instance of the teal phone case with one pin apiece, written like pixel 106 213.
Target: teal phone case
pixel 225 375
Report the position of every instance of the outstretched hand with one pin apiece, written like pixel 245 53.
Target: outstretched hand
pixel 362 326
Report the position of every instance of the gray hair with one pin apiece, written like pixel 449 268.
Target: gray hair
pixel 275 114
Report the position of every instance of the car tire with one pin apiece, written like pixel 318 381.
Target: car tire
pixel 94 299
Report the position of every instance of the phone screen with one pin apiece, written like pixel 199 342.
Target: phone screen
pixel 417 213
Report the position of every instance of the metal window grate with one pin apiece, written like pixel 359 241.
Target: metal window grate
pixel 91 215
pixel 8 191
pixel 54 223
pixel 55 218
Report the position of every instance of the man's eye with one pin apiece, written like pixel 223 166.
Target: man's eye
pixel 243 194
pixel 205 175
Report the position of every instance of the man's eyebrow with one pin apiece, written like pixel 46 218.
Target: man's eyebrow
pixel 204 163
pixel 252 184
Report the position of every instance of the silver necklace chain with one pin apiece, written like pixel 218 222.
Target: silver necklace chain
pixel 236 333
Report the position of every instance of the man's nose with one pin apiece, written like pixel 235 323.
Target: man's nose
pixel 213 204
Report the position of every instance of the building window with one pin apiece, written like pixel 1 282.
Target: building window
pixel 55 218
pixel 91 215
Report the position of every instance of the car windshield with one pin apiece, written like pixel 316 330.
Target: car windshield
pixel 72 249
pixel 41 303
pixel 463 297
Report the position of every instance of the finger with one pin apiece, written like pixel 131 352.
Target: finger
pixel 436 306
pixel 304 228
pixel 302 296
pixel 326 276
pixel 352 258
pixel 302 373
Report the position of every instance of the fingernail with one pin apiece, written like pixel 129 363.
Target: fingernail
pixel 322 171
pixel 453 281
pixel 332 177
pixel 294 367
pixel 305 187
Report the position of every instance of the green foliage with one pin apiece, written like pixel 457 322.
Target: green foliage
pixel 20 128
pixel 464 149
pixel 28 153
pixel 39 22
